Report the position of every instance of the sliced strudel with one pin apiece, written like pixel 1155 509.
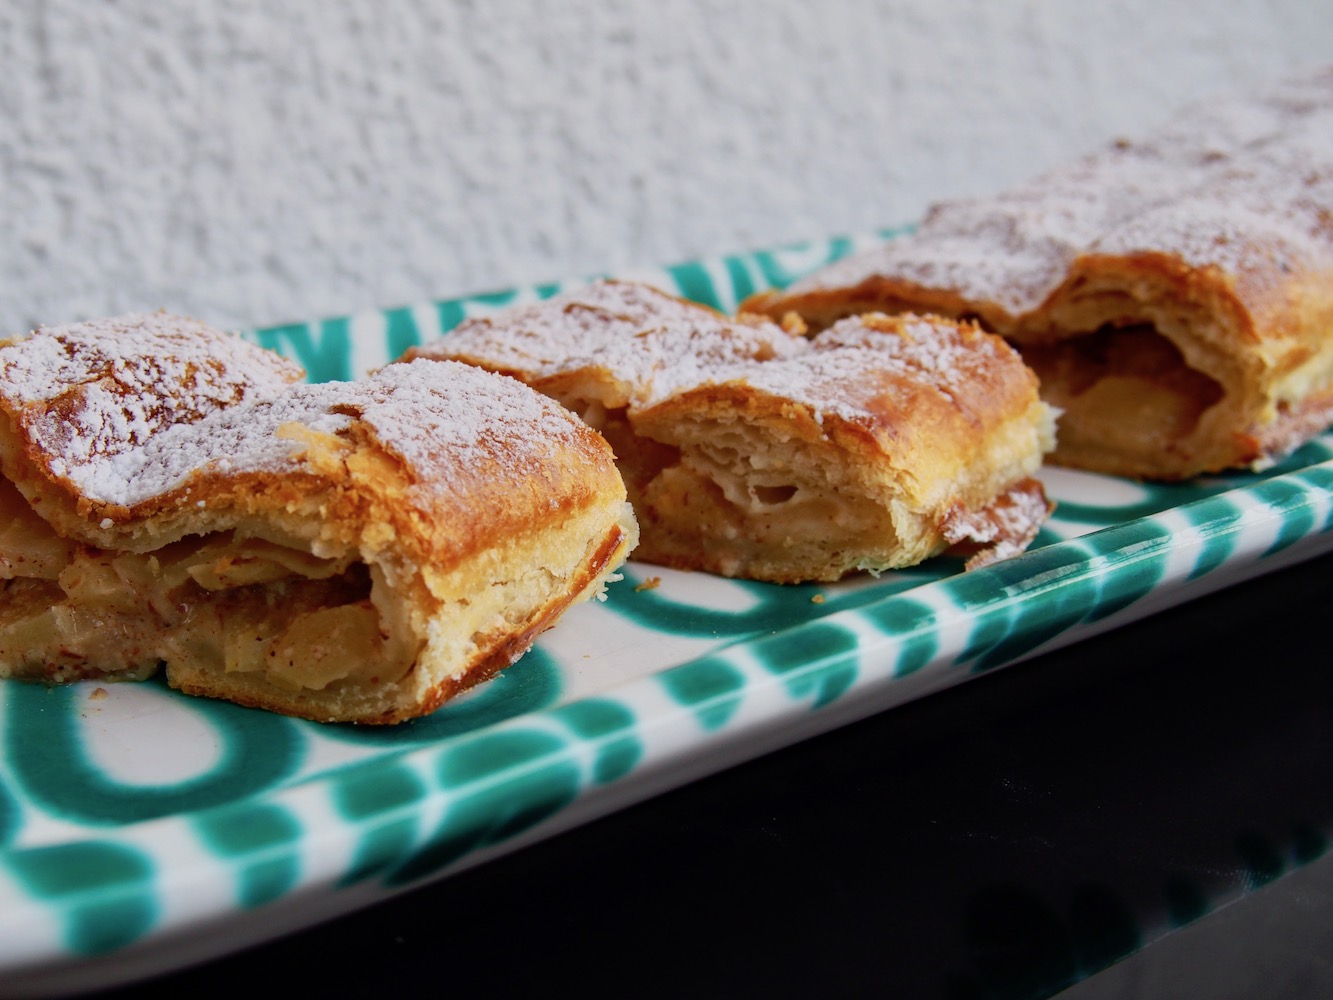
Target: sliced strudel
pixel 350 551
pixel 749 450
pixel 1173 293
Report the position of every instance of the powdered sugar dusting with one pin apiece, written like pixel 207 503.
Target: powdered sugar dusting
pixel 128 409
pixel 1003 528
pixel 451 421
pixel 652 341
pixel 660 346
pixel 448 423
pixel 88 393
pixel 1244 185
pixel 851 364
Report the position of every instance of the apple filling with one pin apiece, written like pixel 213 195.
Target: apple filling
pixel 640 459
pixel 721 485
pixel 218 602
pixel 1123 390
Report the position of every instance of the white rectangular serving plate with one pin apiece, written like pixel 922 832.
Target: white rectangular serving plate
pixel 142 830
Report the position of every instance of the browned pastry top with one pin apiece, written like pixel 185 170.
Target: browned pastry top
pixel 1242 187
pixel 650 342
pixel 88 395
pixel 206 420
pixel 1174 294
pixel 656 345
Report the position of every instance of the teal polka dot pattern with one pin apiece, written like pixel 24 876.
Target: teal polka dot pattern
pixel 103 890
pixel 816 661
pixel 323 348
pixel 383 798
pixel 126 812
pixel 258 840
pixel 711 688
pixel 607 727
pixel 505 782
pixel 907 617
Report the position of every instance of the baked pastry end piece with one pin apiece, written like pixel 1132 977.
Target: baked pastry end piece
pixel 356 552
pixel 1173 291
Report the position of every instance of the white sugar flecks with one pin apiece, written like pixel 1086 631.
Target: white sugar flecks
pixel 1242 185
pixel 652 341
pixel 862 364
pixel 660 346
pixel 91 395
pixel 127 409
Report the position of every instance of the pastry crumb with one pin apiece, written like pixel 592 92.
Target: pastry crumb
pixel 794 324
pixel 817 599
pixel 651 583
pixel 97 694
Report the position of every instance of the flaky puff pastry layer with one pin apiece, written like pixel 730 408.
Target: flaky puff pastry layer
pixel 751 451
pixel 1174 293
pixel 348 551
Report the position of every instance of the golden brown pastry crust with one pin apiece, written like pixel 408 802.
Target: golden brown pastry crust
pixel 749 450
pixel 344 551
pixel 1174 293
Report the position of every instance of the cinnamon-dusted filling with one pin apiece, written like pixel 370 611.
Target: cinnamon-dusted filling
pixel 717 480
pixel 217 602
pixel 743 498
pixel 1126 390
pixel 640 459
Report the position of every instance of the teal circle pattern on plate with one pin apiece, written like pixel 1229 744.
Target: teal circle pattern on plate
pixel 771 608
pixel 47 758
pixel 102 891
pixel 291 809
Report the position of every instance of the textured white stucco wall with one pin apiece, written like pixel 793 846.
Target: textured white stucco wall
pixel 253 163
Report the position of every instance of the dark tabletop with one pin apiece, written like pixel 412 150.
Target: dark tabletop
pixel 1006 838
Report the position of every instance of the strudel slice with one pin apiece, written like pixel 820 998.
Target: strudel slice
pixel 749 450
pixel 1174 293
pixel 348 551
